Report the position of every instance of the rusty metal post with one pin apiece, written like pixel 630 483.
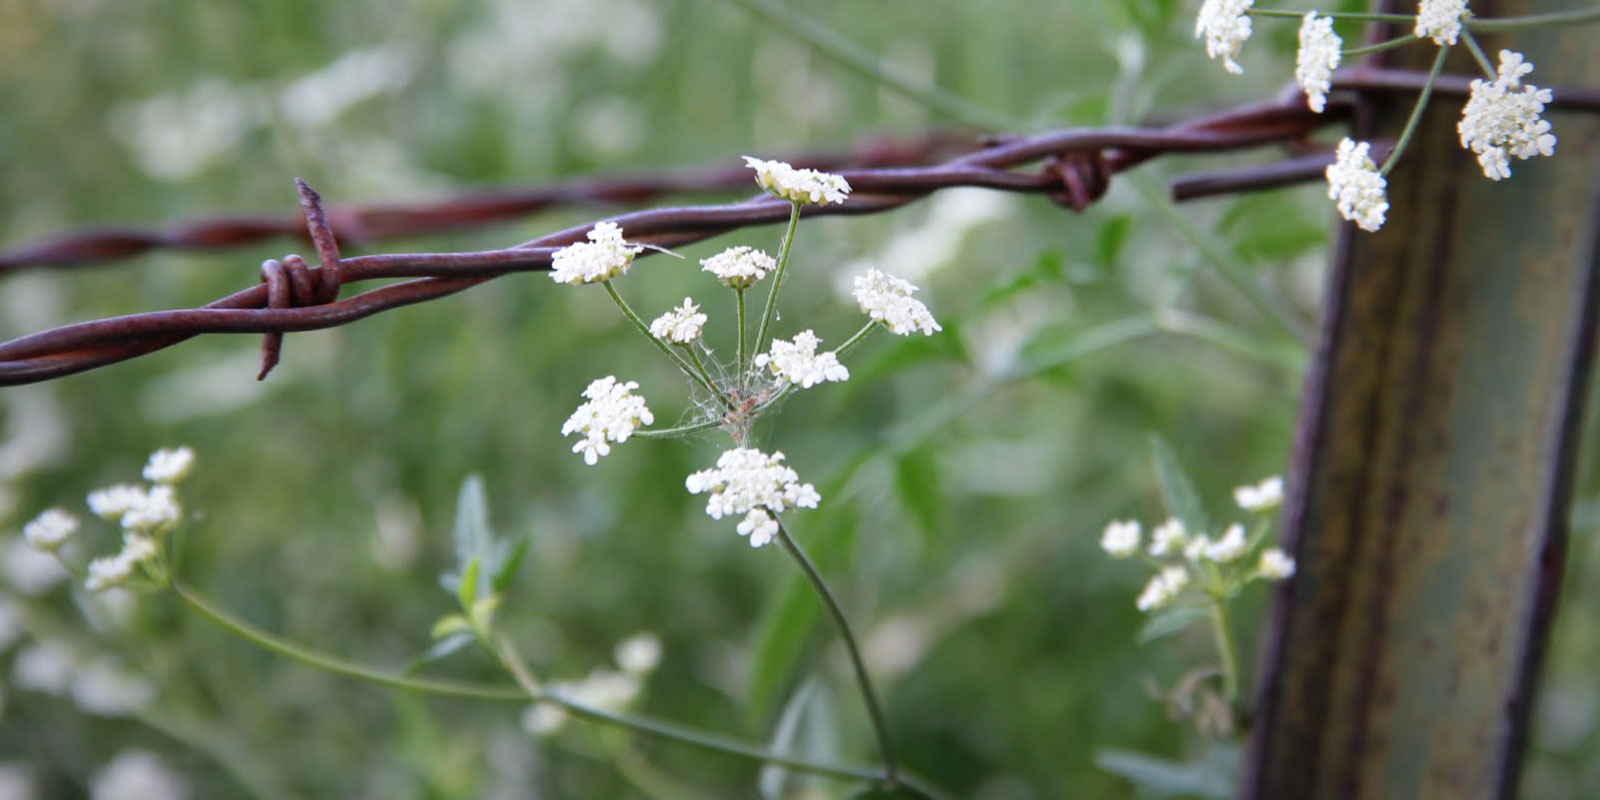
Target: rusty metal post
pixel 1432 472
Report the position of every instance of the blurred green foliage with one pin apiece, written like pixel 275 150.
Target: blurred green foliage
pixel 965 478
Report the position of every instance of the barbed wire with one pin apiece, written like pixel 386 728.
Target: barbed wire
pixel 1076 167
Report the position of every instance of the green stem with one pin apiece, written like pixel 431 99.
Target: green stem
pixel 1223 632
pixel 1379 47
pixel 1362 16
pixel 856 338
pixel 849 55
pixel 1416 111
pixel 1532 20
pixel 694 358
pixel 739 296
pixel 520 694
pixel 1478 55
pixel 880 724
pixel 627 311
pixel 777 278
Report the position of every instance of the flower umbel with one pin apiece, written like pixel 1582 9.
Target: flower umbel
pixel 48 531
pixel 603 257
pixel 1168 537
pixel 1225 24
pixel 1316 59
pixel 611 415
pixel 888 300
pixel 1264 496
pixel 799 364
pixel 739 267
pixel 681 325
pixel 1354 183
pixel 1162 589
pixel 1502 119
pixel 1121 538
pixel 169 465
pixel 1275 565
pixel 1440 20
pixel 798 185
pixel 749 482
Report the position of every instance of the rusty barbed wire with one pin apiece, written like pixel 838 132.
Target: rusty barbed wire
pixel 364 224
pixel 1076 169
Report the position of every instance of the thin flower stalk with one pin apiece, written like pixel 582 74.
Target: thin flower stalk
pixel 777 278
pixel 683 364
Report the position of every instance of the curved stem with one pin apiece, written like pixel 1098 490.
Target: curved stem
pixel 627 311
pixel 1533 20
pixel 694 358
pixel 777 278
pixel 1379 47
pixel 880 725
pixel 1416 111
pixel 519 694
pixel 856 338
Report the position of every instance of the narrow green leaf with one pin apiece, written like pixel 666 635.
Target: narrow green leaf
pixel 467 590
pixel 1164 778
pixel 508 569
pixel 449 624
pixel 471 534
pixel 1168 622
pixel 770 781
pixel 445 647
pixel 917 482
pixel 1177 490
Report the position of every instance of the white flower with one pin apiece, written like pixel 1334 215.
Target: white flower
pixel 1440 20
pixel 888 300
pixel 798 362
pixel 638 654
pixel 1275 565
pixel 603 257
pixel 49 530
pixel 543 719
pixel 1121 539
pixel 1225 24
pixel 1264 496
pixel 169 466
pixel 106 689
pixel 739 267
pixel 109 571
pixel 612 414
pixel 798 185
pixel 137 775
pixel 158 511
pixel 1354 183
pixel 1162 589
pixel 1197 548
pixel 1230 547
pixel 746 481
pixel 604 689
pixel 1168 537
pixel 1501 119
pixel 681 325
pixel 44 667
pixel 29 571
pixel 1316 59
pixel 113 501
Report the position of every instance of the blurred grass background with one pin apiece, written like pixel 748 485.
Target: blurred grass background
pixel 966 478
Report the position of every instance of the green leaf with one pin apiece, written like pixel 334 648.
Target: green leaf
pixel 1169 621
pixel 1111 237
pixel 473 539
pixel 483 609
pixel 1051 349
pixel 449 624
pixel 467 589
pixel 508 570
pixel 445 647
pixel 770 781
pixel 1177 490
pixel 917 481
pixel 1210 777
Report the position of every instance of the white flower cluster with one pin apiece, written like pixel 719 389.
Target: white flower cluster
pixel 1356 186
pixel 1316 59
pixel 681 325
pixel 1440 20
pixel 888 300
pixel 48 531
pixel 168 466
pixel 750 482
pixel 605 256
pixel 1264 496
pixel 739 267
pixel 1502 119
pixel 603 689
pixel 783 181
pixel 1182 557
pixel 611 414
pixel 1225 25
pixel 108 571
pixel 798 363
